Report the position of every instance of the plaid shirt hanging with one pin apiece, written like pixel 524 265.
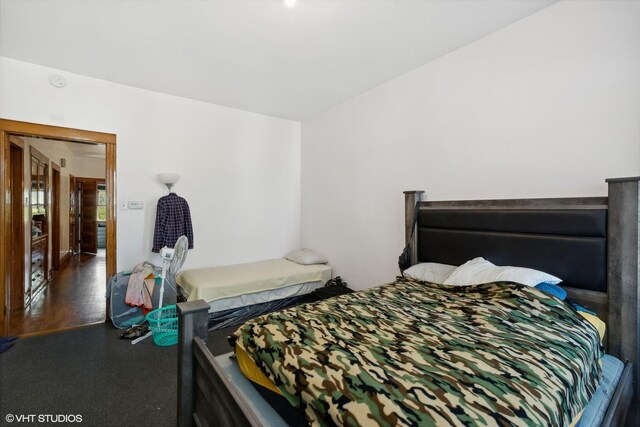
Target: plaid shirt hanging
pixel 173 219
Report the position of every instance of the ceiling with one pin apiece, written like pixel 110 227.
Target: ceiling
pixel 255 55
pixel 78 149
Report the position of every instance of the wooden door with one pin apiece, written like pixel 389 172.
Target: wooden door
pixel 55 226
pixel 16 301
pixel 89 216
pixel 73 215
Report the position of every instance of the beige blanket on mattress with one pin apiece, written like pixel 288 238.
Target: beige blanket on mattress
pixel 214 283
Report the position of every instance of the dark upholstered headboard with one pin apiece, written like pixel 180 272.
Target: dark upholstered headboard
pixel 570 243
pixel 592 243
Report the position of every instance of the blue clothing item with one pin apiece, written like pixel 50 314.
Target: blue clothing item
pixel 578 307
pixel 4 346
pixel 552 289
pixel 173 219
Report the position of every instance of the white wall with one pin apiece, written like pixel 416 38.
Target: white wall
pixel 240 170
pixel 89 167
pixel 547 107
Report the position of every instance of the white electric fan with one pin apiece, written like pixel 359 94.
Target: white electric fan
pixel 172 262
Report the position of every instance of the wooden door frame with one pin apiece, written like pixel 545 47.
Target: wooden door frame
pixel 18 128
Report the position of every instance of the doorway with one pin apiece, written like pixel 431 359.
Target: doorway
pixel 39 206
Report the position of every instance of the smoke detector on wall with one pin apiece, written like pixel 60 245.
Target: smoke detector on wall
pixel 57 80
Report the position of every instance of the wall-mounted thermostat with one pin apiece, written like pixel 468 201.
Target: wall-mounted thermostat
pixel 136 204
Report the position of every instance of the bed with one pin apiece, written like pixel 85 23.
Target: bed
pixel 235 291
pixel 592 243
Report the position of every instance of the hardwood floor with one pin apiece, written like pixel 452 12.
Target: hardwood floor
pixel 75 297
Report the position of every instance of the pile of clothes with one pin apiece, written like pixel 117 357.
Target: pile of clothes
pixel 142 281
pixel 133 294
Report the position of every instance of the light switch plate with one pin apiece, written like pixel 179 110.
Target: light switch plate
pixel 123 206
pixel 136 204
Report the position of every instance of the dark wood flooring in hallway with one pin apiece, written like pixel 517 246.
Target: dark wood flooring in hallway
pixel 74 297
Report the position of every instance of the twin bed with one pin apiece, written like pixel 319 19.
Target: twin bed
pixel 233 286
pixel 236 293
pixel 413 352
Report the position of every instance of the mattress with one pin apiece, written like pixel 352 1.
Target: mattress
pixel 266 296
pixel 595 411
pixel 218 283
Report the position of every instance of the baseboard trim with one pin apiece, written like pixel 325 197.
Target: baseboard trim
pixel 56 330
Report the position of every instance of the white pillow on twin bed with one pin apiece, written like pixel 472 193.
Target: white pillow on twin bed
pixel 429 272
pixel 479 270
pixel 307 257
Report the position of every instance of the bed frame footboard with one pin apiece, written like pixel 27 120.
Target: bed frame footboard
pixel 217 401
pixel 206 397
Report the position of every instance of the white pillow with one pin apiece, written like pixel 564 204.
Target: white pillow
pixel 479 270
pixel 429 272
pixel 307 257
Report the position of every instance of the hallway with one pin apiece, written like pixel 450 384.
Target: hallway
pixel 75 296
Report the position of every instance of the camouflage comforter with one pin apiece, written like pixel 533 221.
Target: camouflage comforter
pixel 414 353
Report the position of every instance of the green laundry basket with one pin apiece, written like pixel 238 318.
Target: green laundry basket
pixel 163 323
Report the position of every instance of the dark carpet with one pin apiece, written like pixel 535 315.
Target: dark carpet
pixel 92 373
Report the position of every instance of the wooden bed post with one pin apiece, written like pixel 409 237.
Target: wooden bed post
pixel 192 323
pixel 623 276
pixel 410 199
